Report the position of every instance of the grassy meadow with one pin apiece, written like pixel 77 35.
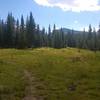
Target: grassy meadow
pixel 49 74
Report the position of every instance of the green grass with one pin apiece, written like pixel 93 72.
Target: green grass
pixel 59 74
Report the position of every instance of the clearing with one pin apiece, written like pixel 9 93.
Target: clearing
pixel 49 74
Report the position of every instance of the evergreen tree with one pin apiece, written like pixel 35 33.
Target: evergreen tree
pixel 1 38
pixel 70 39
pixel 49 37
pixel 90 32
pixel 62 39
pixel 53 36
pixel 94 40
pixel 84 39
pixel 22 35
pixel 98 38
pixel 17 37
pixel 4 31
pixel 37 37
pixel 89 38
pixel 9 37
pixel 43 44
pixel 31 31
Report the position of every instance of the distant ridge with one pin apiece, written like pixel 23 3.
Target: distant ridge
pixel 66 30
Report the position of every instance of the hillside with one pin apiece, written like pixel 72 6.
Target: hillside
pixel 66 30
pixel 49 74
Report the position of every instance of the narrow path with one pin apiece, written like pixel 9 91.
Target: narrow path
pixel 29 90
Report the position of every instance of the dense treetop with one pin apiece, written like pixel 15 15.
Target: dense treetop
pixel 27 34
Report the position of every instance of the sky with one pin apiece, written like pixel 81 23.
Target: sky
pixel 73 14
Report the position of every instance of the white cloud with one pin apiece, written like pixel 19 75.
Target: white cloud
pixel 72 5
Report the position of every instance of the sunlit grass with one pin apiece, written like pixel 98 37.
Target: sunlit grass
pixel 59 74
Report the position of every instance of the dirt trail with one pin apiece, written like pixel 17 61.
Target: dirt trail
pixel 29 90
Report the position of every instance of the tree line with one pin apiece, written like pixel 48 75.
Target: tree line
pixel 27 34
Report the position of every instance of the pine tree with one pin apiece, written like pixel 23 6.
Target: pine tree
pixel 1 33
pixel 31 31
pixel 90 32
pixel 53 36
pixel 17 34
pixel 49 36
pixel 4 31
pixel 98 38
pixel 94 40
pixel 84 39
pixel 89 38
pixel 9 37
pixel 70 39
pixel 37 37
pixel 22 35
pixel 62 39
pixel 43 37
